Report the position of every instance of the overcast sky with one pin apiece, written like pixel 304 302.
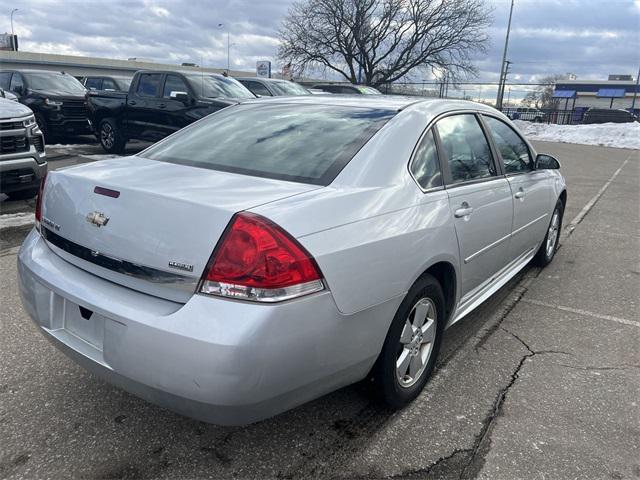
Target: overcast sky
pixel 590 38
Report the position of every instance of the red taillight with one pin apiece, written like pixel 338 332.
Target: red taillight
pixel 258 260
pixel 39 201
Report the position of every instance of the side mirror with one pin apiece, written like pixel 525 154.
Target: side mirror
pixel 18 90
pixel 546 162
pixel 2 93
pixel 179 96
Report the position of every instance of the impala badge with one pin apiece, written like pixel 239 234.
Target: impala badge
pixel 98 219
pixel 181 266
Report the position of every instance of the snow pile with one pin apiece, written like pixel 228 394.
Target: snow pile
pixel 16 220
pixel 620 135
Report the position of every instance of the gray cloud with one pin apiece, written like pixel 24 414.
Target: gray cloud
pixel 590 38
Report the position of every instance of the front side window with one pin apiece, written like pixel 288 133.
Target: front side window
pixel 513 150
pixel 257 88
pixel 16 82
pixel 94 83
pixel 425 165
pixel 174 83
pixel 466 148
pixel 289 88
pixel 217 86
pixel 148 84
pixel 109 84
pixel 300 143
pixel 5 77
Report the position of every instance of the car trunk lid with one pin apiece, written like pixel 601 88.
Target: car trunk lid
pixel 148 225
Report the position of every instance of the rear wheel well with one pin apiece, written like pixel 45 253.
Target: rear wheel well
pixel 445 273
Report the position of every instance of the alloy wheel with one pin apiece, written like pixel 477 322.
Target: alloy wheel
pixel 552 234
pixel 416 342
pixel 107 135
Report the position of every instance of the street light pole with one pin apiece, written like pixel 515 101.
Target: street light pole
pixel 504 60
pixel 221 25
pixel 13 37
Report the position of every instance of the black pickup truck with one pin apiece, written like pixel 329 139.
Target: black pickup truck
pixel 159 103
pixel 56 98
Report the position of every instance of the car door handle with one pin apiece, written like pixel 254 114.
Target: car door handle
pixel 463 211
pixel 132 102
pixel 162 105
pixel 519 194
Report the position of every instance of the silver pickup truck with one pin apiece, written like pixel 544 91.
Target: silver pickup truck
pixel 22 157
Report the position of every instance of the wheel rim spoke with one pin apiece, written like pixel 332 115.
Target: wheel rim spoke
pixel 402 364
pixel 421 311
pixel 429 331
pixel 407 333
pixel 415 365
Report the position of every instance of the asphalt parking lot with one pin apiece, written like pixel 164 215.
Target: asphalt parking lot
pixel 543 381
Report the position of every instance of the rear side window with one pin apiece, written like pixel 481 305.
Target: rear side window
pixel 425 166
pixel 513 150
pixel 299 143
pixel 148 84
pixel 466 148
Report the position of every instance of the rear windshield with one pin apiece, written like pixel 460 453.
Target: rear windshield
pixel 299 143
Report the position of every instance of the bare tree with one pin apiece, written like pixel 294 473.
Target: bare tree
pixel 542 96
pixel 384 40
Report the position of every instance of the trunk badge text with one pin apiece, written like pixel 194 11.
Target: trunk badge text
pixel 181 266
pixel 98 219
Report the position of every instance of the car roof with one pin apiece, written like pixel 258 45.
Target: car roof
pixel 32 70
pixel 261 79
pixel 389 102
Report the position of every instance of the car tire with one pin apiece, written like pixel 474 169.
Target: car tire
pixel 538 120
pixel 110 136
pixel 549 246
pixel 23 194
pixel 405 347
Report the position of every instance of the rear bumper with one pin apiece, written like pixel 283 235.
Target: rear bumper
pixel 217 360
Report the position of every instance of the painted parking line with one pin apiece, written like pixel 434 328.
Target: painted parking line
pixel 579 311
pixel 583 213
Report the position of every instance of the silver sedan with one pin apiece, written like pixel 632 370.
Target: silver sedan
pixel 280 249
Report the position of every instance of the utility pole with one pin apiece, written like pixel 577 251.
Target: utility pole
pixel 508 96
pixel 13 36
pixel 635 92
pixel 504 60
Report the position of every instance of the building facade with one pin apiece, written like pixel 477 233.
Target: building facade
pixel 598 93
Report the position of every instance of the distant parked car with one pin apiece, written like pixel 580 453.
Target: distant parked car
pixel 317 91
pixel 56 98
pixel 159 103
pixel 278 250
pixel 528 114
pixel 118 84
pixel 608 115
pixel 272 87
pixel 22 158
pixel 346 88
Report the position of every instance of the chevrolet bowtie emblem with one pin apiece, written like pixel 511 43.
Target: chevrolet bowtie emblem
pixel 98 219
